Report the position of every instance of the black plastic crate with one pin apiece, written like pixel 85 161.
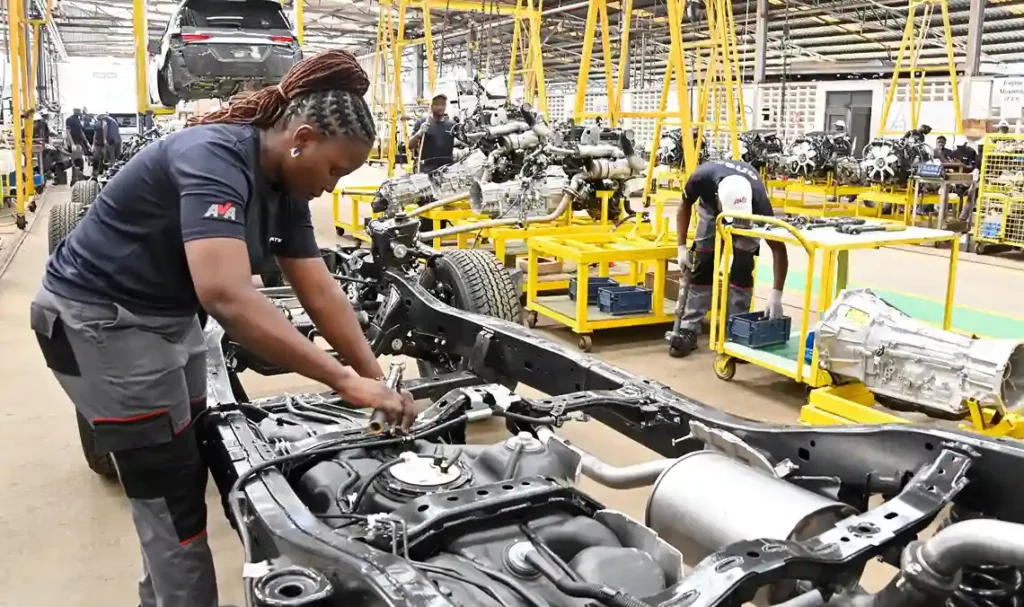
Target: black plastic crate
pixel 624 300
pixel 593 284
pixel 753 329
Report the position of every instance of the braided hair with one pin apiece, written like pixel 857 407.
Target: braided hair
pixel 325 90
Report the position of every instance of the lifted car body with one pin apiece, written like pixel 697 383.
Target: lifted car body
pixel 216 48
pixel 333 513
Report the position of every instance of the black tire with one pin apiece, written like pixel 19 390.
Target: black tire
pixel 85 192
pixel 100 464
pixel 64 216
pixel 92 190
pixel 474 281
pixel 478 283
pixel 60 177
pixel 163 90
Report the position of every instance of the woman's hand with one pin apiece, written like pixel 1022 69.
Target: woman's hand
pixel 375 394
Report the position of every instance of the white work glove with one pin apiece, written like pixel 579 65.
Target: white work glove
pixel 424 127
pixel 685 263
pixel 975 175
pixel 773 309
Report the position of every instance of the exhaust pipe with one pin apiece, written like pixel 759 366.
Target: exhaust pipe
pixel 614 477
pixel 438 204
pixel 571 193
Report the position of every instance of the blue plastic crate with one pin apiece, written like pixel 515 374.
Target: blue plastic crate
pixel 623 300
pixel 593 284
pixel 809 347
pixel 754 330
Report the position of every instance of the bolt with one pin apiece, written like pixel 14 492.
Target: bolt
pixel 913 568
pixel 396 344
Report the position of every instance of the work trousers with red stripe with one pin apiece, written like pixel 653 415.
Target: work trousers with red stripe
pixel 740 276
pixel 140 380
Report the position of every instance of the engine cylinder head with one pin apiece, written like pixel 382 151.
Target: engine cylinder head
pixel 707 501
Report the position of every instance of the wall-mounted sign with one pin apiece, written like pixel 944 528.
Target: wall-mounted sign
pixel 1008 96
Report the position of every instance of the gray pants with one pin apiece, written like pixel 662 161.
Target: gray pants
pixel 139 380
pixel 741 274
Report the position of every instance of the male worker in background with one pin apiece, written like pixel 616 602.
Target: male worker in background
pixel 75 132
pixel 942 153
pixel 112 137
pixel 433 145
pixel 717 186
pixel 88 124
pixel 433 141
pixel 1004 127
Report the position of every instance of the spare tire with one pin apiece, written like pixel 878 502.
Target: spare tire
pixel 85 191
pixel 100 464
pixel 474 281
pixel 64 216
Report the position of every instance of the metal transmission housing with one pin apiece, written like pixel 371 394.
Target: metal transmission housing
pixel 864 338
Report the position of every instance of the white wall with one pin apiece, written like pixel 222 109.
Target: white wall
pixel 99 84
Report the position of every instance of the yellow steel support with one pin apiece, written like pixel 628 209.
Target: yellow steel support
pixel 300 22
pixel 915 33
pixel 530 58
pixel 391 43
pixel 719 55
pixel 16 52
pixel 141 57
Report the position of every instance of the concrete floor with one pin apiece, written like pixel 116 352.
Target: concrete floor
pixel 67 535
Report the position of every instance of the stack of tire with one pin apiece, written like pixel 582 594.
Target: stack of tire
pixel 64 216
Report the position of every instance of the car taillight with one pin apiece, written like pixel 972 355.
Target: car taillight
pixel 282 39
pixel 186 38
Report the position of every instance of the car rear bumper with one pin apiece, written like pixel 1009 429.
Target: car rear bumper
pixel 219 66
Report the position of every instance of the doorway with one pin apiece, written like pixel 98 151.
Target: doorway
pixel 854 108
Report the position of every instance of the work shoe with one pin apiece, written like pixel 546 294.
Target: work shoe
pixel 682 343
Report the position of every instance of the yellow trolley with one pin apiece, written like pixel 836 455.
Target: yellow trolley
pixel 351 224
pixel 833 249
pixel 999 212
pixel 601 250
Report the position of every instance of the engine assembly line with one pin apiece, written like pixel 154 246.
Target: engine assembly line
pixel 652 303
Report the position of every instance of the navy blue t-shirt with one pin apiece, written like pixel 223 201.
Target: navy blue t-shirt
pixel 200 182
pixel 703 186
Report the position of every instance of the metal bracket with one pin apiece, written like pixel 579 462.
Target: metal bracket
pixel 733 575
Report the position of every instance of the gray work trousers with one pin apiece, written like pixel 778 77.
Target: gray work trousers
pixel 139 380
pixel 702 254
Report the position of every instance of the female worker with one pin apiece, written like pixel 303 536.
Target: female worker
pixel 183 225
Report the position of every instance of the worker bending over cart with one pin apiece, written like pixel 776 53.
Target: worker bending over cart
pixel 717 186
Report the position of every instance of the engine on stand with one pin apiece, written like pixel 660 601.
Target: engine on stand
pixel 583 160
pixel 892 161
pixel 492 143
pixel 762 149
pixel 816 154
pixel 670 148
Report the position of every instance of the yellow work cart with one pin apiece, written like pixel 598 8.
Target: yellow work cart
pixel 832 249
pixel 999 211
pixel 351 224
pixel 600 250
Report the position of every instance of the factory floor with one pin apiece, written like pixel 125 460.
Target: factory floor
pixel 67 535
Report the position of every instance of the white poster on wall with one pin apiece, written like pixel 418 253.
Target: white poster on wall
pixel 1008 96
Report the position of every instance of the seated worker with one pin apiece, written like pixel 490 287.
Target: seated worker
pixel 966 155
pixel 717 186
pixel 942 153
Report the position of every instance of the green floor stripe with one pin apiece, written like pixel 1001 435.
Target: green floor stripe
pixel 973 321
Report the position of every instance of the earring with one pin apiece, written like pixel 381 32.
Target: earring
pixel 296 152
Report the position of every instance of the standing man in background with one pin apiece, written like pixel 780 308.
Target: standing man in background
pixel 75 130
pixel 434 141
pixel 112 137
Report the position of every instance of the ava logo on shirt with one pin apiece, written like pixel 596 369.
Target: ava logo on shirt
pixel 225 210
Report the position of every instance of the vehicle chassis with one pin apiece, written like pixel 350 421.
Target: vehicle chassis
pixel 919 469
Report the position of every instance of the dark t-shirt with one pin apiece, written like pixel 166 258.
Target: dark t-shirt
pixel 966 155
pixel 201 182
pixel 438 144
pixel 703 186
pixel 74 125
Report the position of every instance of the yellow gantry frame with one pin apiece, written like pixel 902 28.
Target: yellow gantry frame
pixel 24 51
pixel 914 37
pixel 721 75
pixel 391 44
